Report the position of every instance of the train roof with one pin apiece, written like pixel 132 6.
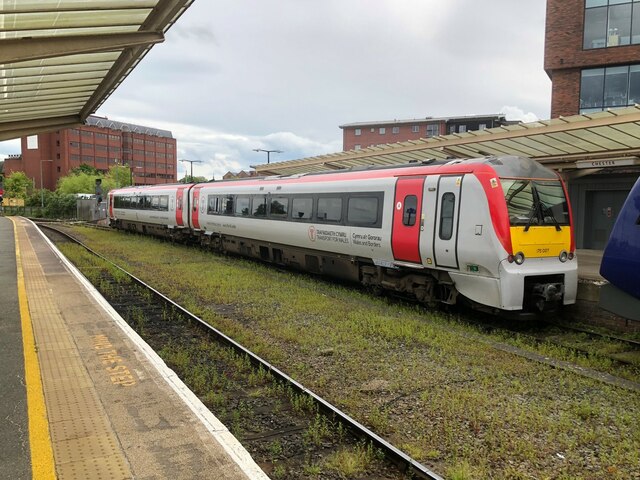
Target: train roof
pixel 505 167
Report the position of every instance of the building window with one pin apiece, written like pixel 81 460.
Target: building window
pixel 358 132
pixel 382 130
pixel 482 126
pixel 395 130
pixel 462 129
pixel 357 146
pixel 610 87
pixel 433 130
pixel 415 129
pixel 610 23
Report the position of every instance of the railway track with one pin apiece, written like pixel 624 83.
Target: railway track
pixel 132 306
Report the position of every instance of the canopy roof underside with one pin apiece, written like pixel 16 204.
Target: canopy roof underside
pixel 558 143
pixel 61 59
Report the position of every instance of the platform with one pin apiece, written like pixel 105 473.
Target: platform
pixel 83 397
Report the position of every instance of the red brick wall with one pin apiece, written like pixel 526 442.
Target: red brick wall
pixel 56 146
pixel 565 93
pixel 368 138
pixel 564 56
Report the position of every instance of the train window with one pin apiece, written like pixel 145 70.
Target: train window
pixel 147 202
pixel 242 206
pixel 362 210
pixel 213 204
pixel 301 208
pixel 535 202
pixel 259 206
pixel 447 208
pixel 329 209
pixel 155 202
pixel 226 207
pixel 164 203
pixel 410 210
pixel 279 206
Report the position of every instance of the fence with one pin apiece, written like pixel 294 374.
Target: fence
pixel 31 212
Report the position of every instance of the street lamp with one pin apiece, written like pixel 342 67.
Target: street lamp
pixel 191 162
pixel 268 152
pixel 41 183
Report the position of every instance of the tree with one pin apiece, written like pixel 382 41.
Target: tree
pixel 118 176
pixel 84 168
pixel 194 179
pixel 121 175
pixel 78 183
pixel 16 185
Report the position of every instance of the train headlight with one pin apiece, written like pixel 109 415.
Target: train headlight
pixel 571 255
pixel 518 258
pixel 563 256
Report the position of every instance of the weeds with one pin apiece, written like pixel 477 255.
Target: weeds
pixel 480 406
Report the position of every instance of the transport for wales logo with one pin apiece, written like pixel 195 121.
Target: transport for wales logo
pixel 312 233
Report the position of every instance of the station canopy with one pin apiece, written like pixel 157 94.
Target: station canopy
pixel 580 142
pixel 61 59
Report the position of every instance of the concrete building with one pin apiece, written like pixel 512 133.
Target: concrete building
pixel 592 55
pixel 101 143
pixel 356 136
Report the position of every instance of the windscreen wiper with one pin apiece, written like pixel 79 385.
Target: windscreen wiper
pixel 535 209
pixel 546 210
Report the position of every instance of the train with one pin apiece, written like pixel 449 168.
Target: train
pixel 495 233
pixel 621 260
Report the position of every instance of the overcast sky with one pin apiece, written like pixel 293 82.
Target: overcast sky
pixel 237 75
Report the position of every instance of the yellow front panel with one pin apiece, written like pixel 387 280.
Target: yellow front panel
pixel 541 241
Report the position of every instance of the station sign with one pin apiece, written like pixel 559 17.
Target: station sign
pixel 605 163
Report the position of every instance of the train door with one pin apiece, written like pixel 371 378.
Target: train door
pixel 445 229
pixel 179 205
pixel 195 214
pixel 407 210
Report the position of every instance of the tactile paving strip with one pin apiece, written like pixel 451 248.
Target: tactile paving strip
pixel 84 444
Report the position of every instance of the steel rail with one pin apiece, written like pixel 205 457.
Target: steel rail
pixel 392 453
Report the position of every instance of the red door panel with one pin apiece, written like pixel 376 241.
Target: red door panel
pixel 195 216
pixel 407 219
pixel 179 203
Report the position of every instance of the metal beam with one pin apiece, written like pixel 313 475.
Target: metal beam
pixel 161 17
pixel 11 130
pixel 17 50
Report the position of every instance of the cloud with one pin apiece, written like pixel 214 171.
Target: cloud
pixel 515 113
pixel 234 76
pixel 219 152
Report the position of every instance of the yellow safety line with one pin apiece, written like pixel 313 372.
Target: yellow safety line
pixel 42 464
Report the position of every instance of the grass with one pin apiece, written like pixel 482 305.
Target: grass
pixel 453 401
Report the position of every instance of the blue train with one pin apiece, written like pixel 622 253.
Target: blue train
pixel 621 261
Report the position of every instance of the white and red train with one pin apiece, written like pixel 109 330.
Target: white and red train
pixel 496 232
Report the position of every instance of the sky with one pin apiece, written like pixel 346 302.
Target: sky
pixel 234 76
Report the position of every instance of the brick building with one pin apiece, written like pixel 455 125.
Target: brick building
pixel 101 143
pixel 592 54
pixel 368 134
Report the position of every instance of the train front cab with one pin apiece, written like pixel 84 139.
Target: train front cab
pixel 541 272
pixel 621 261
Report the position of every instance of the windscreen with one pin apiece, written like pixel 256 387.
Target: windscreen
pixel 535 202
